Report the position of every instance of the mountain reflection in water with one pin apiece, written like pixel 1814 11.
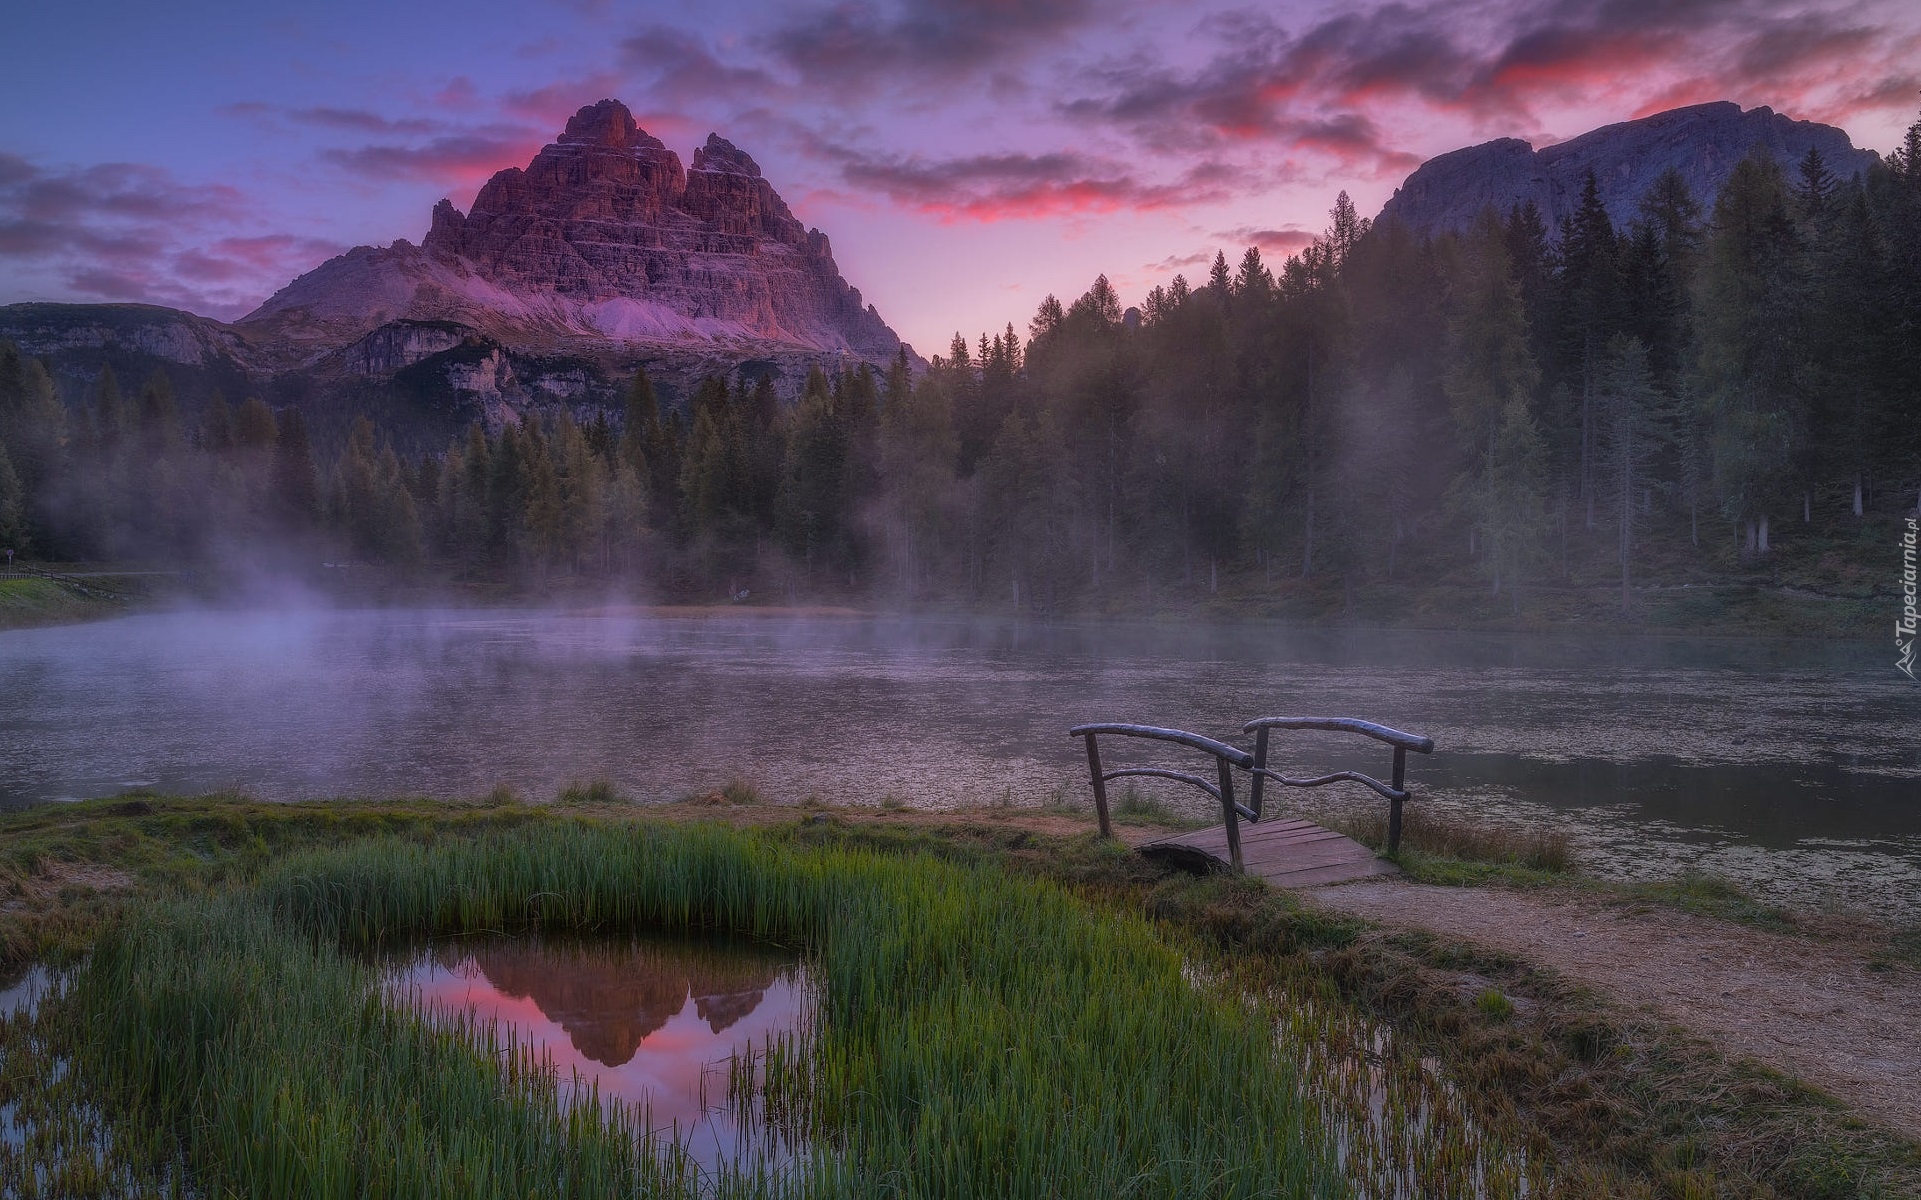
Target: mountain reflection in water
pixel 642 1021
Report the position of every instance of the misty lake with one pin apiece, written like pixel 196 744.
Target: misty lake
pixel 1795 767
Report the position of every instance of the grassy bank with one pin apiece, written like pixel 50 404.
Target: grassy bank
pixel 27 601
pixel 240 1028
pixel 982 981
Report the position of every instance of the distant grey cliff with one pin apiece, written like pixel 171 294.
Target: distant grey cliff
pixel 1702 141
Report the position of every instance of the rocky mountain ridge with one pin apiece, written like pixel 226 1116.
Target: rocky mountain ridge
pixel 601 256
pixel 602 238
pixel 1703 141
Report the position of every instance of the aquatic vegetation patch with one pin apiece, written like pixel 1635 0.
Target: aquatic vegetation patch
pixel 979 1033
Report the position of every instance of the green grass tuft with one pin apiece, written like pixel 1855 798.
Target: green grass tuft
pixel 981 1033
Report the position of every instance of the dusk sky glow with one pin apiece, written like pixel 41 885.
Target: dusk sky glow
pixel 967 157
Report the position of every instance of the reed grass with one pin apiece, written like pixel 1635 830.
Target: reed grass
pixel 1426 834
pixel 979 1033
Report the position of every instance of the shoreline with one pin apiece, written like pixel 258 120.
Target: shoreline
pixel 84 610
pixel 1604 968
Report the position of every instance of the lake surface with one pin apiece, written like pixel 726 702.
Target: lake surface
pixel 651 1022
pixel 1793 766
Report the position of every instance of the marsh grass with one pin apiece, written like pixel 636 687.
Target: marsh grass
pixel 980 1033
pixel 1608 1104
pixel 1428 836
pixel 1134 806
pixel 593 792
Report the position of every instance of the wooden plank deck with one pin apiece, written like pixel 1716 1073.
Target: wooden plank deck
pixel 1284 851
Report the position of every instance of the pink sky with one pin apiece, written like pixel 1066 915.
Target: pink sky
pixel 967 157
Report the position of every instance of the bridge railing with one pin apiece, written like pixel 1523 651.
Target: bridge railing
pixel 1227 758
pixel 1395 792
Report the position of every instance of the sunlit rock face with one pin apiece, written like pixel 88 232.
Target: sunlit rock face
pixel 1703 142
pixel 603 237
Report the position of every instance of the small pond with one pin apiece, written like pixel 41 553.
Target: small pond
pixel 652 1022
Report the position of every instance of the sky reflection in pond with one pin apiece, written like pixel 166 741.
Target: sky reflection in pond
pixel 651 1022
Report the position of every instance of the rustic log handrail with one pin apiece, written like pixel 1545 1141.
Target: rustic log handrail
pixel 1393 737
pixel 1162 773
pixel 1233 754
pixel 1394 793
pixel 1387 792
pixel 1226 758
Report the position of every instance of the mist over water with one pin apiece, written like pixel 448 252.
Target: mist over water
pixel 1793 766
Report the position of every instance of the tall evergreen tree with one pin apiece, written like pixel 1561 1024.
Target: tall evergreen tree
pixel 1746 367
pixel 1590 312
pixel 1490 382
pixel 296 489
pixel 14 533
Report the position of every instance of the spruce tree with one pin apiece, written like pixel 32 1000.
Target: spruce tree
pixel 1746 365
pixel 296 489
pixel 13 509
pixel 1490 382
pixel 1589 312
pixel 1633 427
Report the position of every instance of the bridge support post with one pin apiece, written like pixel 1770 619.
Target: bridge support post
pixel 1233 817
pixel 1099 785
pixel 1256 787
pixel 1394 806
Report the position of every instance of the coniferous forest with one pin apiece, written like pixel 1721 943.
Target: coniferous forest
pixel 1494 421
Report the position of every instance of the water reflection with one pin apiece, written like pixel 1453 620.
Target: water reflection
pixel 653 1023
pixel 1783 750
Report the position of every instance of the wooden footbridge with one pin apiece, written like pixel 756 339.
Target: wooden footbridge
pixel 1286 851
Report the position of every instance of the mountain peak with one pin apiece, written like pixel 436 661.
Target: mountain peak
pixel 608 123
pixel 1702 141
pixel 719 154
pixel 602 237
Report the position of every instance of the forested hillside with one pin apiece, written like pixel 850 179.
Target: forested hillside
pixel 1518 420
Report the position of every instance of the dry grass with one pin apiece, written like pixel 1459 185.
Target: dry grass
pixel 1430 834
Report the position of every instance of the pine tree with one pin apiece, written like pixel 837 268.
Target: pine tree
pixel 1590 312
pixel 640 426
pixel 32 427
pixel 111 419
pixel 1347 229
pixel 540 535
pixel 254 427
pixel 1490 382
pixel 1633 426
pixel 1746 363
pixel 159 414
pixel 216 426
pixel 296 489
pixel 13 509
pixel 1219 282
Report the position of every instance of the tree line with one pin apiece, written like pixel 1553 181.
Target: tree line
pixel 1512 403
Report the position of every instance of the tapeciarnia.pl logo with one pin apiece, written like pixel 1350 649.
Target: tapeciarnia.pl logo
pixel 1904 628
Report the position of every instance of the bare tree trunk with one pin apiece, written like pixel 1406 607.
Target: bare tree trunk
pixel 1807 507
pixel 1764 533
pixel 1857 495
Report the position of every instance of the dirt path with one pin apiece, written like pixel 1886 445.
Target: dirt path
pixel 1807 1008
